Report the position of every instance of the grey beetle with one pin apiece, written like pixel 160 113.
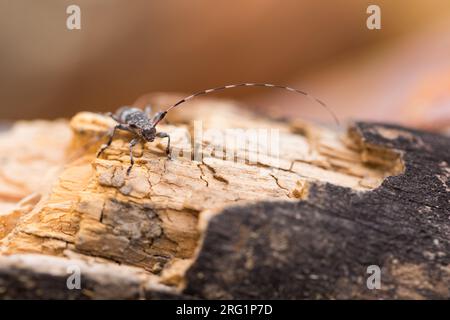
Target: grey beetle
pixel 143 126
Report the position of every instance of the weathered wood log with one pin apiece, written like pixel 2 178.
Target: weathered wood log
pixel 303 222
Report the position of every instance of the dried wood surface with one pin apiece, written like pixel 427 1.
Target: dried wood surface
pixel 153 223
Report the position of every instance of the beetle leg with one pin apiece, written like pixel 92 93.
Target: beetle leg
pixel 165 135
pixel 111 136
pixel 131 145
pixel 112 115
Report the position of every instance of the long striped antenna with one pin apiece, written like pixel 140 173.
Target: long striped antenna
pixel 266 85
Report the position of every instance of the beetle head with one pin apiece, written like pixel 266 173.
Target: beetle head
pixel 149 134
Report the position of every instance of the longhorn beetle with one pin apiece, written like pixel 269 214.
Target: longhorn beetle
pixel 143 126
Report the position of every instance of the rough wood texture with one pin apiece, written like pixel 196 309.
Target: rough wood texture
pixel 303 224
pixel 321 247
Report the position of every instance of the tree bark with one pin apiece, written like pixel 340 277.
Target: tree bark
pixel 303 222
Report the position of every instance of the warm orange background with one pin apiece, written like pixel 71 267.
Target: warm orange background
pixel 128 48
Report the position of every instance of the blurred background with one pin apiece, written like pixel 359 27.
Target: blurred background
pixel 126 49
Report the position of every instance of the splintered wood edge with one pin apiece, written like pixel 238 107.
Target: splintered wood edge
pixel 373 154
pixel 173 275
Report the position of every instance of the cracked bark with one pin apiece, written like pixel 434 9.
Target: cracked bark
pixel 304 223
